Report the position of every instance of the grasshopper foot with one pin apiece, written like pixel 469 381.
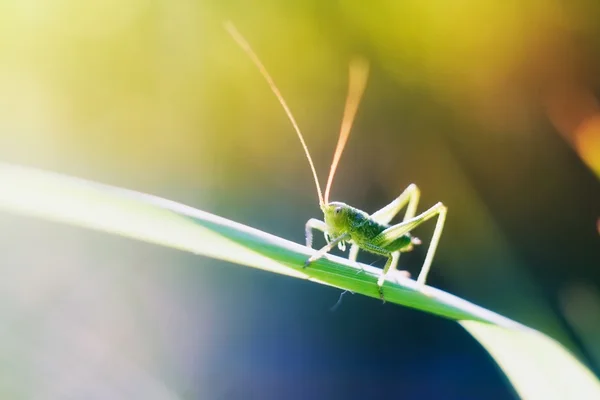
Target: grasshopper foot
pixel 421 288
pixel 380 290
pixel 307 262
pixel 380 282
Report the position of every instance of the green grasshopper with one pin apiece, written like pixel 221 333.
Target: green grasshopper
pixel 345 224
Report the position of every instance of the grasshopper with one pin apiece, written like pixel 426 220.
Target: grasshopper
pixel 343 224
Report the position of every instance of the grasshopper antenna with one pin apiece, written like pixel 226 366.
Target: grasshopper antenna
pixel 359 71
pixel 246 47
pixel 339 302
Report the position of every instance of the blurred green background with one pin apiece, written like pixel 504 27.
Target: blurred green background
pixel 490 107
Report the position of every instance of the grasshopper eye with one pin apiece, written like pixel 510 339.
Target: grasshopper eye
pixel 337 210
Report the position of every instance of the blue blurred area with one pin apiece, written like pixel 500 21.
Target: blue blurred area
pixel 196 328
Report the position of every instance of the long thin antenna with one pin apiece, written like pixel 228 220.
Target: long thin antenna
pixel 246 47
pixel 359 71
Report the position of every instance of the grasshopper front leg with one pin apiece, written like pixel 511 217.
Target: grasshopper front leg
pixel 311 224
pixel 325 250
pixel 314 223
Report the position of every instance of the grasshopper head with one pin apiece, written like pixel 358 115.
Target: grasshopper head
pixel 338 217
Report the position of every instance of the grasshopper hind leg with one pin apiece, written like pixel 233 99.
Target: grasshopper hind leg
pixel 440 210
pixel 393 232
pixel 409 198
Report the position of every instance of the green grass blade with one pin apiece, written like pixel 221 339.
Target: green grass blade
pixel 144 217
pixel 537 366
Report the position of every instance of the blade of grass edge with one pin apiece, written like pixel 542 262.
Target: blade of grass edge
pixel 74 201
pixel 537 366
